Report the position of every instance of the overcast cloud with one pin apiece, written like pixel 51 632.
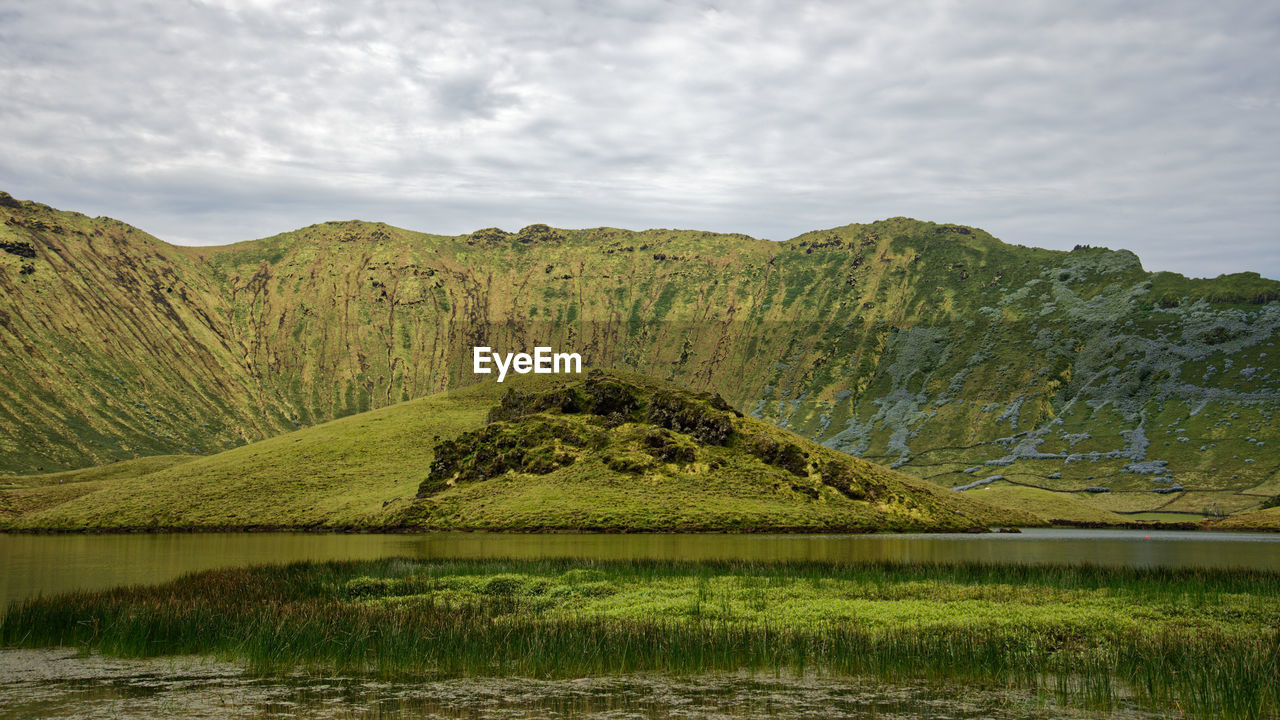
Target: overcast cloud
pixel 1148 126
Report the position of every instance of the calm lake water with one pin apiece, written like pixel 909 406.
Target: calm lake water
pixel 32 565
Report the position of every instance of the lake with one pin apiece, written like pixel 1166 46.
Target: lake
pixel 32 565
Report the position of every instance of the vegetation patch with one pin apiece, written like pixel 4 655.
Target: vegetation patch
pixel 536 445
pixel 1199 643
pixel 21 248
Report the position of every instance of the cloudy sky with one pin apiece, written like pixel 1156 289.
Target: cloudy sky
pixel 1151 126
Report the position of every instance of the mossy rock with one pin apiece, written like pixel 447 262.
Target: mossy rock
pixel 630 462
pixel 840 476
pixel 18 247
pixel 667 447
pixel 674 411
pixel 489 237
pixel 538 233
pixel 780 453
pixel 535 444
pixel 708 418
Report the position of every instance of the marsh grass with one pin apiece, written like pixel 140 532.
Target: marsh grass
pixel 1204 642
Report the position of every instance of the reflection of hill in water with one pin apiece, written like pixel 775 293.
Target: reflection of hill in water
pixel 48 564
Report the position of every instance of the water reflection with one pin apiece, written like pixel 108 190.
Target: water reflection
pixel 43 564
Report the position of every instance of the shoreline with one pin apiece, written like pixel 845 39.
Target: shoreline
pixel 410 530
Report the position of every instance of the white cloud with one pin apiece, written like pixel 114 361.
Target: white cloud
pixel 1150 126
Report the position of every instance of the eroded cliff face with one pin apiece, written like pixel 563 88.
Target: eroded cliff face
pixel 935 348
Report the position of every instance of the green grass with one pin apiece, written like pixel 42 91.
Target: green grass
pixel 30 494
pixel 1202 642
pixel 1051 507
pixel 1165 517
pixel 1267 520
pixel 353 472
pixel 113 471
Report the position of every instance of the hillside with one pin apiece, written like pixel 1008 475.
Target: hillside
pixel 1056 508
pixel 357 471
pixel 933 348
pixel 1266 520
pixel 607 452
pixel 25 495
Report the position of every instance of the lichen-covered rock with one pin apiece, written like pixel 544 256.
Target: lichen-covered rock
pixel 676 412
pixel 489 237
pixel 538 233
pixel 20 248
pixel 840 476
pixel 665 446
pixel 780 454
pixel 537 445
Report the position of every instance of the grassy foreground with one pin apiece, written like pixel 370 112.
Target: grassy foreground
pixel 1200 642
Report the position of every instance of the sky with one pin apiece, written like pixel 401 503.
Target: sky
pixel 1150 126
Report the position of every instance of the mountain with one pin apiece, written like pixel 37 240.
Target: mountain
pixel 611 452
pixel 933 348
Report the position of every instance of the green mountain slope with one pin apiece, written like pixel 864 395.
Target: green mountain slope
pixel 358 471
pixel 1051 507
pixel 933 348
pixel 607 452
pixel 25 495
pixel 1265 519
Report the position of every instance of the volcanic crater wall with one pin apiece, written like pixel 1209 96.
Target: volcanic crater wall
pixel 934 348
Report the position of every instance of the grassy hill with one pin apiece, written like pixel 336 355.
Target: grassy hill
pixel 1050 507
pixel 24 495
pixel 933 348
pixel 613 452
pixel 1266 519
pixel 357 471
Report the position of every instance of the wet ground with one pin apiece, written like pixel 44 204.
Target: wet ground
pixel 60 683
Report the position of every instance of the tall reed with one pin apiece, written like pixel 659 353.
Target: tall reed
pixel 1203 641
